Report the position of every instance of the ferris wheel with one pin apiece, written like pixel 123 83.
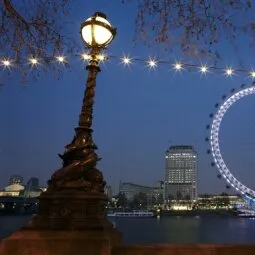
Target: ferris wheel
pixel 213 140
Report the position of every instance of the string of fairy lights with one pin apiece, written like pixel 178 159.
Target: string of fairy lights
pixel 151 63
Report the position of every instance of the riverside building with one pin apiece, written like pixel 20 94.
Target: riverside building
pixel 16 179
pixel 180 173
pixel 132 189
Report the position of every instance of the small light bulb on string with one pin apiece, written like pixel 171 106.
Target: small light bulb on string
pixel 229 71
pixel 126 60
pixel 61 59
pixel 252 74
pixel 203 69
pixel 152 63
pixel 33 61
pixel 178 66
pixel 6 62
pixel 101 57
pixel 85 56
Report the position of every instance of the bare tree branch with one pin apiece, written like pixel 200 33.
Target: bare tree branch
pixel 33 28
pixel 193 26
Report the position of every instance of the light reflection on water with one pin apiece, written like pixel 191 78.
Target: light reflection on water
pixel 187 230
pixel 167 229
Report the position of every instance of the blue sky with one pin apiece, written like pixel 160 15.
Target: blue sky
pixel 138 113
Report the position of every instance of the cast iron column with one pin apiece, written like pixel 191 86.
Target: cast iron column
pixel 75 196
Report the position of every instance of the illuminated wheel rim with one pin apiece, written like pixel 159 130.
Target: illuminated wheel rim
pixel 214 142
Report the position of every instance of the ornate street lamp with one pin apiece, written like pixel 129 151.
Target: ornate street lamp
pixel 97 32
pixel 71 215
pixel 75 196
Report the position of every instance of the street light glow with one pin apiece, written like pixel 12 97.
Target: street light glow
pixel 203 69
pixel 86 56
pixel 33 61
pixel 6 62
pixel 60 59
pixel 178 66
pixel 97 31
pixel 252 74
pixel 101 57
pixel 126 60
pixel 229 71
pixel 152 63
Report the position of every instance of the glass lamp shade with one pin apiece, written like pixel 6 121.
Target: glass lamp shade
pixel 97 31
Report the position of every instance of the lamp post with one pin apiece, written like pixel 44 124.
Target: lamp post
pixel 75 196
pixel 71 216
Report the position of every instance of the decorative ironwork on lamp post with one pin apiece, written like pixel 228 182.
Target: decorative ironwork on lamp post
pixel 75 196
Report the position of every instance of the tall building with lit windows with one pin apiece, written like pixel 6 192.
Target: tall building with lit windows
pixel 180 173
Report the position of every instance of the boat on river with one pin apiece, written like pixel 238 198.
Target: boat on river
pixel 245 213
pixel 132 214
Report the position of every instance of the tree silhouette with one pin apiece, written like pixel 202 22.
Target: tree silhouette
pixel 179 195
pixel 34 29
pixel 31 28
pixel 160 199
pixel 193 26
pixel 122 200
pixel 140 201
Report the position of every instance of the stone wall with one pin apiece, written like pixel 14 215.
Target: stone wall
pixel 196 249
pixel 172 249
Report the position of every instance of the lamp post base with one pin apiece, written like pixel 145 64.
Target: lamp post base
pixel 71 209
pixel 69 221
pixel 43 242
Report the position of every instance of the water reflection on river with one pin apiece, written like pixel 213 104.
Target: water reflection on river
pixel 167 229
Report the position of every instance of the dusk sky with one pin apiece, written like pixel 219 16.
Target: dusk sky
pixel 138 112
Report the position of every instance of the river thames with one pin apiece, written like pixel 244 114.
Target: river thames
pixel 208 229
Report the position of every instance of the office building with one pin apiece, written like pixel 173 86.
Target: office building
pixel 180 173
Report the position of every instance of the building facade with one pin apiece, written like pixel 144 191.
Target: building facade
pixel 180 173
pixel 33 182
pixel 132 189
pixel 108 191
pixel 12 190
pixel 16 179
